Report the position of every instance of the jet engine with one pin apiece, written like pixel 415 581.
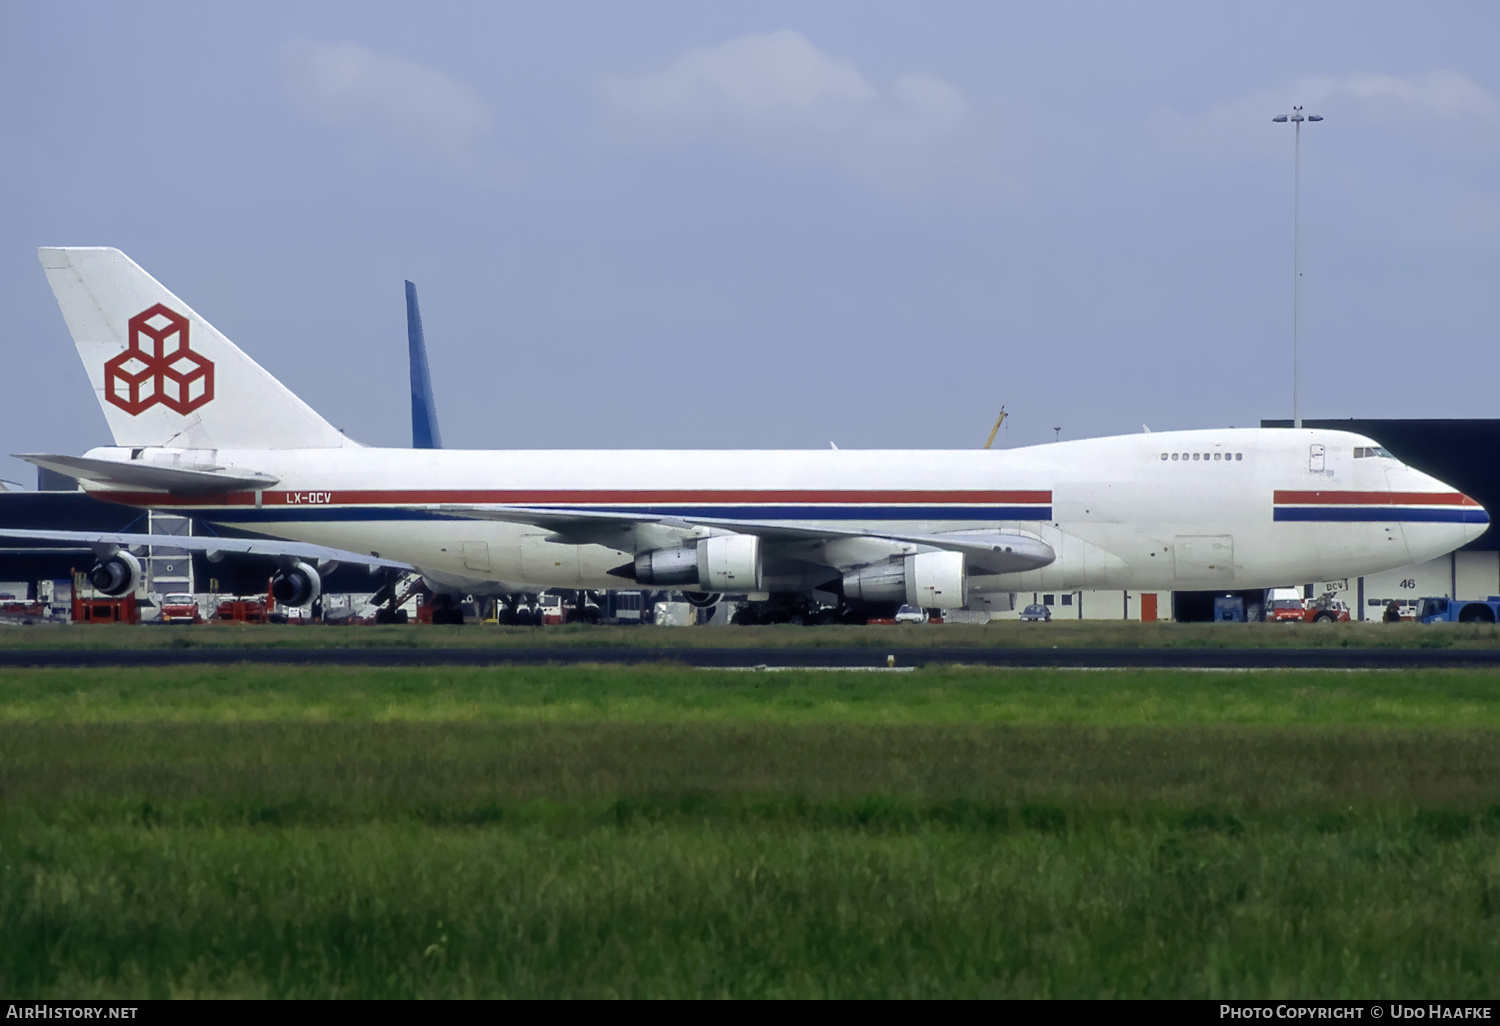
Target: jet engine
pixel 116 575
pixel 931 580
pixel 297 585
pixel 729 562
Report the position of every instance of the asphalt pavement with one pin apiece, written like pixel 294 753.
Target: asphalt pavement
pixel 1087 658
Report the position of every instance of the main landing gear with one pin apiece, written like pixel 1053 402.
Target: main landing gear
pixel 446 610
pixel 521 611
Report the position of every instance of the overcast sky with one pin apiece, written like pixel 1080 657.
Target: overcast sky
pixel 770 224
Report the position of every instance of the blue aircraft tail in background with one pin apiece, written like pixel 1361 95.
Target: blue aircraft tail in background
pixel 424 425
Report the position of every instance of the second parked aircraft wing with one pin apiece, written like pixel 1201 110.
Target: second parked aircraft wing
pixel 107 540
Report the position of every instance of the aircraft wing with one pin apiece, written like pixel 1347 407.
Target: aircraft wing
pixel 200 543
pixel 177 480
pixel 996 552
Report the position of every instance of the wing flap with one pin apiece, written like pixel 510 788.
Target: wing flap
pixel 995 552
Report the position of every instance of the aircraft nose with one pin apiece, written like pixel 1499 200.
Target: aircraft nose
pixel 1476 519
pixel 1437 517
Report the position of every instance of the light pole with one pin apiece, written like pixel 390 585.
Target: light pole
pixel 1296 118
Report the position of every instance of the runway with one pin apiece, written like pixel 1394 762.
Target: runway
pixel 1017 658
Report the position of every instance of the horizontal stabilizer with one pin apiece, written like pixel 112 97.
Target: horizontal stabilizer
pixel 199 543
pixel 177 480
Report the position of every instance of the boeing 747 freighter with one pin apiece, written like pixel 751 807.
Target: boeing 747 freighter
pixel 201 429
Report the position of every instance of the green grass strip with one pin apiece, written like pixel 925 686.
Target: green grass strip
pixel 665 694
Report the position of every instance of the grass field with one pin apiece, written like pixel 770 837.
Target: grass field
pixel 594 831
pixel 996 634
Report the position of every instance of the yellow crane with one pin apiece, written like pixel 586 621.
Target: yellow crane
pixel 996 429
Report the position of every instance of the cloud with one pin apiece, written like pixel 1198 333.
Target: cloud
pixel 931 100
pixel 1443 108
pixel 779 77
pixel 346 85
pixel 1445 94
pixel 780 96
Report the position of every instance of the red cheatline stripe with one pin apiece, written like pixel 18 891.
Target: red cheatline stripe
pixel 1374 499
pixel 343 497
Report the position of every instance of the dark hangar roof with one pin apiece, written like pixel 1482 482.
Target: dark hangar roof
pixel 1463 453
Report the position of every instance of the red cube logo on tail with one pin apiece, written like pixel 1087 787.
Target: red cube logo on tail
pixel 158 367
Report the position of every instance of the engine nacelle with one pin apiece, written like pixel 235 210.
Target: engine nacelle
pixel 116 575
pixel 729 562
pixel 930 580
pixel 299 585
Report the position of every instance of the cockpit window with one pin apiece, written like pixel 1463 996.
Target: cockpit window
pixel 1362 452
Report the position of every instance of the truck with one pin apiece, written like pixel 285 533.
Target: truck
pixel 1442 609
pixel 1284 605
pixel 1325 609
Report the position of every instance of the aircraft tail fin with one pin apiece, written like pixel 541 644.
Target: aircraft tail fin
pixel 163 375
pixel 424 423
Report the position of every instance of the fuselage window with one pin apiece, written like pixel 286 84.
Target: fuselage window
pixel 1227 457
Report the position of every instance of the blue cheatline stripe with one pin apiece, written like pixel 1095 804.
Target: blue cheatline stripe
pixel 1367 514
pixel 333 514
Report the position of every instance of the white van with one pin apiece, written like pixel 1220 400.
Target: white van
pixel 1285 604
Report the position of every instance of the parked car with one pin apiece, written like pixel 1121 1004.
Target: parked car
pixel 910 614
pixel 180 608
pixel 1037 614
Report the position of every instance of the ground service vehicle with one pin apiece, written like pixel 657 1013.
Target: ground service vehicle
pixel 1285 605
pixel 910 614
pixel 1325 609
pixel 1037 614
pixel 1445 610
pixel 180 608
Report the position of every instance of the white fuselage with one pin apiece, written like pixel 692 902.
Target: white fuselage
pixel 1214 509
